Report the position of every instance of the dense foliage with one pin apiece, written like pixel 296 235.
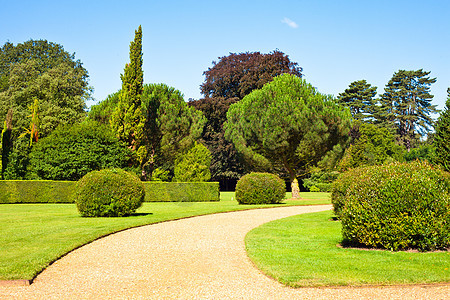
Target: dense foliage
pixel 260 188
pixel 226 82
pixel 109 193
pixel 127 119
pixel 371 145
pixel 287 126
pixel 237 75
pixel 193 166
pixel 181 191
pixel 398 206
pixel 70 152
pixel 33 191
pixel 442 136
pixel 360 98
pixel 405 106
pixel 320 181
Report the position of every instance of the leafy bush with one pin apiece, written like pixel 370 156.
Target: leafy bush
pixel 397 206
pixel 42 191
pixel 194 165
pixel 260 188
pixel 70 152
pixel 321 181
pixel 109 193
pixel 181 191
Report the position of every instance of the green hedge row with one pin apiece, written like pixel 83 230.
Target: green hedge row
pixel 47 191
pixel 36 191
pixel 181 191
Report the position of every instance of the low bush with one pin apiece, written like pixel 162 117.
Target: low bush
pixel 181 191
pixel 34 191
pixel 109 193
pixel 260 188
pixel 398 206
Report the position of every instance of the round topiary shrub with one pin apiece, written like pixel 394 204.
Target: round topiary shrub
pixel 260 188
pixel 109 193
pixel 397 207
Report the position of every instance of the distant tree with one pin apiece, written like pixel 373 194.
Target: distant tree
pixel 442 136
pixel 225 164
pixel 7 140
pixel 193 166
pixel 61 90
pixel 287 124
pixel 170 127
pixel 373 145
pixel 226 82
pixel 236 75
pixel 71 151
pixel 127 119
pixel 102 111
pixel 406 106
pixel 359 97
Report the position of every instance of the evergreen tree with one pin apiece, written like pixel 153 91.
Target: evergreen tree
pixel 359 97
pixel 127 119
pixel 442 136
pixel 7 141
pixel 406 106
pixel 287 126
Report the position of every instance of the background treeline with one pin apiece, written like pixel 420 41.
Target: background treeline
pixel 284 126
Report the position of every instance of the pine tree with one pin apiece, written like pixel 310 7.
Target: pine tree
pixel 406 105
pixel 127 119
pixel 442 136
pixel 359 97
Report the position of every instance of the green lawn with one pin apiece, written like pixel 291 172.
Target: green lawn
pixel 301 251
pixel 34 235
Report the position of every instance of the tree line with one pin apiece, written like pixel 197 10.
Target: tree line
pixel 257 113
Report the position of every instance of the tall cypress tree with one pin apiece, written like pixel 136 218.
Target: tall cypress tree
pixel 127 119
pixel 406 105
pixel 359 97
pixel 442 136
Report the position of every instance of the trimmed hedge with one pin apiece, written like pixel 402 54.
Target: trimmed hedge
pixel 397 207
pixel 260 188
pixel 181 191
pixel 36 191
pixel 109 193
pixel 47 191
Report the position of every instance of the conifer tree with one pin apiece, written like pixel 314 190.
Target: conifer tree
pixel 127 119
pixel 359 97
pixel 442 136
pixel 406 106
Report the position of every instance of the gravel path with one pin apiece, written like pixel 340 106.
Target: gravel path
pixel 196 258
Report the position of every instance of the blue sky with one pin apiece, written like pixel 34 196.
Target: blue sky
pixel 336 42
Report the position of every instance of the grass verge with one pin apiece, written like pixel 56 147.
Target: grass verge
pixel 34 235
pixel 302 251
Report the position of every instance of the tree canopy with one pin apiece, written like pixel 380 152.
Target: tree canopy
pixel 71 151
pixel 442 136
pixel 359 97
pixel 44 71
pixel 406 106
pixel 236 75
pixel 287 125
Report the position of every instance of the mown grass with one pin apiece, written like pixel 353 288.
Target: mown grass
pixel 302 251
pixel 34 235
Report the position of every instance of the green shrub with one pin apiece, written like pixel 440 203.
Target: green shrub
pixel 181 191
pixel 397 206
pixel 109 193
pixel 36 191
pixel 341 186
pixel 322 181
pixel 260 188
pixel 194 165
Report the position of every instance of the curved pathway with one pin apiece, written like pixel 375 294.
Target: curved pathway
pixel 196 258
